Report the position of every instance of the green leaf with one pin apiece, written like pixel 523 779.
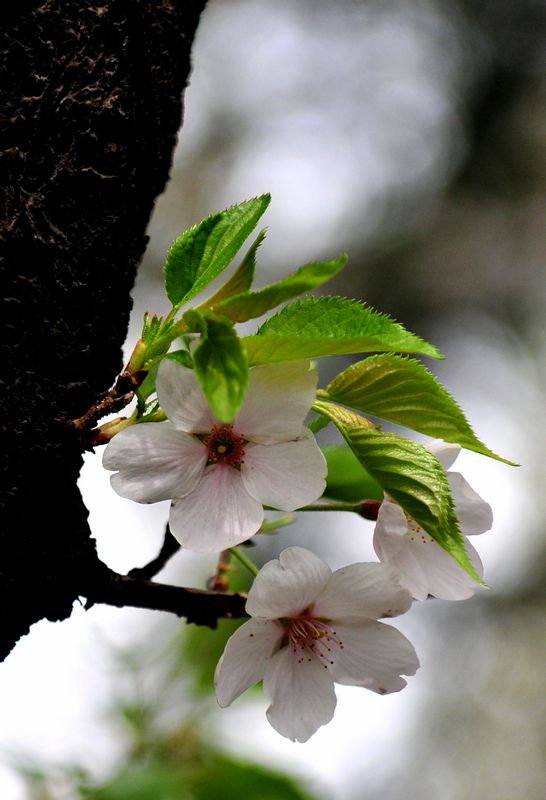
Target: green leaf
pixel 242 278
pixel 220 363
pixel 411 475
pixel 403 391
pixel 330 326
pixel 181 357
pixel 341 417
pixel 249 305
pixel 201 253
pixel 347 479
pixel 318 423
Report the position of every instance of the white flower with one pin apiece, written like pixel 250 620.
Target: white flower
pixel 220 476
pixel 425 567
pixel 311 627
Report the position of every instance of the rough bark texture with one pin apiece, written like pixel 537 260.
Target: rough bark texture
pixel 91 105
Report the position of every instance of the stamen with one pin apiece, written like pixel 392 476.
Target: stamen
pixel 312 638
pixel 416 533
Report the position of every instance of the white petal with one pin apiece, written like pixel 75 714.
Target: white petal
pixel 278 400
pixel 182 399
pixel 245 658
pixel 155 462
pixel 363 590
pixel 445 452
pixel 390 529
pixel 475 515
pixel 411 572
pixel 374 655
pixel 302 695
pixel 392 547
pixel 427 569
pixel 287 585
pixel 285 476
pixel 218 514
pixel 443 577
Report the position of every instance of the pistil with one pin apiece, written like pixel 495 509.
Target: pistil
pixel 225 446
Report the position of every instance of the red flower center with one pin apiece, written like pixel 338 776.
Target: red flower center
pixel 225 446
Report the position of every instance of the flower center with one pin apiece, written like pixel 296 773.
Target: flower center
pixel 310 637
pixel 417 534
pixel 225 446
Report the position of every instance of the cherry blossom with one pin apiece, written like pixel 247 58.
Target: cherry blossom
pixel 311 627
pixel 425 567
pixel 220 476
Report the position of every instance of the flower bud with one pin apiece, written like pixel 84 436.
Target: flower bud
pixel 369 509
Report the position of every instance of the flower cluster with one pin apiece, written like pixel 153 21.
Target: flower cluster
pixel 309 627
pixel 220 430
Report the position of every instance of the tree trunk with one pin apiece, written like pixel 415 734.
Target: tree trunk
pixel 92 102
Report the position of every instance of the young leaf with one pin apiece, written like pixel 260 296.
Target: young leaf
pixel 249 305
pixel 403 391
pixel 330 326
pixel 150 327
pixel 242 278
pixel 201 253
pixel 220 363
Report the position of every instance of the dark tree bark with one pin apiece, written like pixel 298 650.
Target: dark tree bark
pixel 91 105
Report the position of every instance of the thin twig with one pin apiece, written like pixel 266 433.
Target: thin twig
pixel 169 547
pixel 116 398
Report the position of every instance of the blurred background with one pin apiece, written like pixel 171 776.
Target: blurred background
pixel 412 135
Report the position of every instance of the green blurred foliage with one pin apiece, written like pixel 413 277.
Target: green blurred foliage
pixel 209 776
pixel 347 479
pixel 200 650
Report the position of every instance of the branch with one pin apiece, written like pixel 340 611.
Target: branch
pixel 199 606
